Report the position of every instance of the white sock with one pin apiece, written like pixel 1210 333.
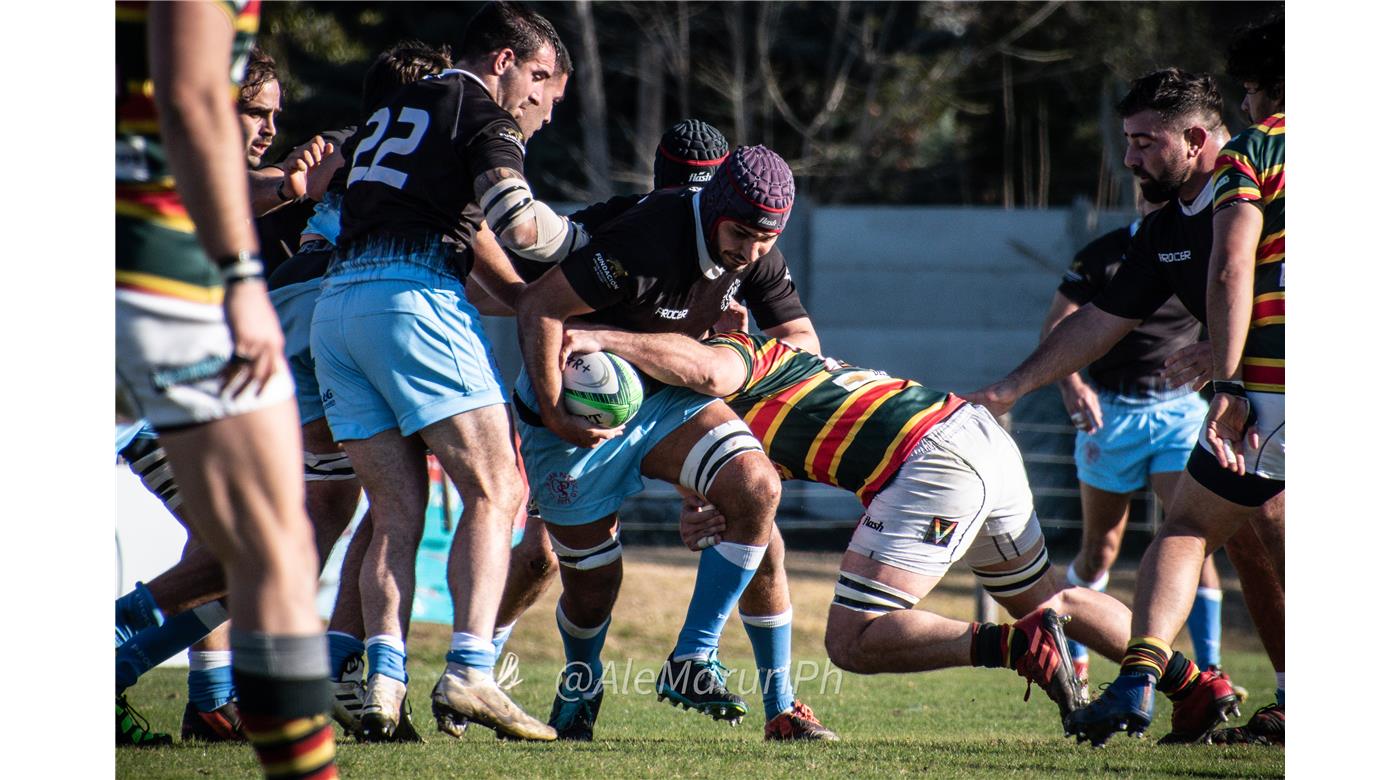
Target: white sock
pixel 203 660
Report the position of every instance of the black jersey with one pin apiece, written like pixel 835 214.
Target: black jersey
pixel 1169 255
pixel 1134 366
pixel 649 271
pixel 416 159
pixel 279 231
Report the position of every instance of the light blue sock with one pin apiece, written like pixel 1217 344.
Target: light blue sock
pixel 149 647
pixel 501 636
pixel 386 655
pixel 1077 651
pixel 211 679
pixel 725 570
pixel 771 637
pixel 1204 625
pixel 341 646
pixel 136 612
pixel 583 653
pixel 472 651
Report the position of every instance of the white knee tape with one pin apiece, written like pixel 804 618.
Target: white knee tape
pixel 863 594
pixel 713 451
pixel 591 558
pixel 1011 583
pixel 328 467
pixel 154 471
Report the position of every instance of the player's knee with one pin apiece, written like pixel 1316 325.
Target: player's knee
pixel 749 494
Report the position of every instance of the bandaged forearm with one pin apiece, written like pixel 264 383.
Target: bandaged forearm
pixel 510 203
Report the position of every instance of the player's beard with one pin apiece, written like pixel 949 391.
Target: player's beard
pixel 1160 189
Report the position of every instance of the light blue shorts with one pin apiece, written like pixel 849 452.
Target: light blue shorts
pixel 1139 437
pixel 295 304
pixel 573 485
pixel 397 345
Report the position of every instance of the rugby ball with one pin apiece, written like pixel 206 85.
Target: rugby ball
pixel 602 388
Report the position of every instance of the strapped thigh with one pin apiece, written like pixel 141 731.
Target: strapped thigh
pixel 593 557
pixel 713 451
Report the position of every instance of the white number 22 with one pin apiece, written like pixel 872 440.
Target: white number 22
pixel 416 118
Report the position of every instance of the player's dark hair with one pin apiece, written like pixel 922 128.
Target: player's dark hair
pixel 405 63
pixel 507 25
pixel 261 69
pixel 1174 94
pixel 1256 55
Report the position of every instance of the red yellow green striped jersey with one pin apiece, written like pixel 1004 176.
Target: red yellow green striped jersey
pixel 824 421
pixel 1250 170
pixel 157 251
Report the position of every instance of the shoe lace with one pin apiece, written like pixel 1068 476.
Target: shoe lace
pixel 714 667
pixel 138 721
pixel 800 710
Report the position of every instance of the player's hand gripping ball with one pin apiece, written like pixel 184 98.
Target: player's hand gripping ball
pixel 602 388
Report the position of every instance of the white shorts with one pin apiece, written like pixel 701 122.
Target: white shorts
pixel 171 356
pixel 1267 460
pixel 962 491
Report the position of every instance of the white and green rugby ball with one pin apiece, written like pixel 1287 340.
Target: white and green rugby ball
pixel 602 388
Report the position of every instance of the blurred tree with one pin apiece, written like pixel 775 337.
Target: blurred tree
pixel 1007 103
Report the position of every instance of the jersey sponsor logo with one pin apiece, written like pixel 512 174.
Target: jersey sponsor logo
pixel 874 525
pixel 672 314
pixel 940 532
pixel 729 294
pixel 515 137
pixel 562 486
pixel 609 271
pixel 1174 257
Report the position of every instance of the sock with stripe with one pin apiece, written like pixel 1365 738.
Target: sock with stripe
pixel 136 612
pixel 583 653
pixel 386 655
pixel 340 647
pixel 997 645
pixel 283 695
pixel 501 636
pixel 472 651
pixel 210 679
pixel 1077 650
pixel 771 637
pixel 725 570
pixel 1146 655
pixel 1179 677
pixel 152 646
pixel 1204 625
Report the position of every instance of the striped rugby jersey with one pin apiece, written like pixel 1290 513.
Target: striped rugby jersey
pixel 839 425
pixel 1250 170
pixel 157 251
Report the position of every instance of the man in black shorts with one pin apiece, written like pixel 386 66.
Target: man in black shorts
pixel 1174 131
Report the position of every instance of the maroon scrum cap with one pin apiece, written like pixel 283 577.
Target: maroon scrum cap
pixel 753 187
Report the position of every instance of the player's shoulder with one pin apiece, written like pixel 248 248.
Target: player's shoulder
pixel 1105 249
pixel 660 217
pixel 1258 137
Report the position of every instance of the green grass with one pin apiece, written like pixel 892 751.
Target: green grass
pixel 955 723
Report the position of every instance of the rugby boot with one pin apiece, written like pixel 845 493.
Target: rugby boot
pixel 700 685
pixel 798 722
pixel 1265 727
pixel 1081 669
pixel 1046 662
pixel 134 731
pixel 574 714
pixel 1203 705
pixel 1241 692
pixel 464 694
pixel 220 725
pixel 1125 705
pixel 384 713
pixel 348 693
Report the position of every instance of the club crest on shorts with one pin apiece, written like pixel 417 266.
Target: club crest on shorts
pixel 1091 452
pixel 940 532
pixel 562 486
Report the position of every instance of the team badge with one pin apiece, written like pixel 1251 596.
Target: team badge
pixel 1091 452
pixel 562 486
pixel 940 532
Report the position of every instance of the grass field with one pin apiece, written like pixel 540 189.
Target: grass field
pixel 954 723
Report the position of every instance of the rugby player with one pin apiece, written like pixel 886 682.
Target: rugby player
pixel 1172 122
pixel 212 382
pixel 402 360
pixel 672 263
pixel 1134 429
